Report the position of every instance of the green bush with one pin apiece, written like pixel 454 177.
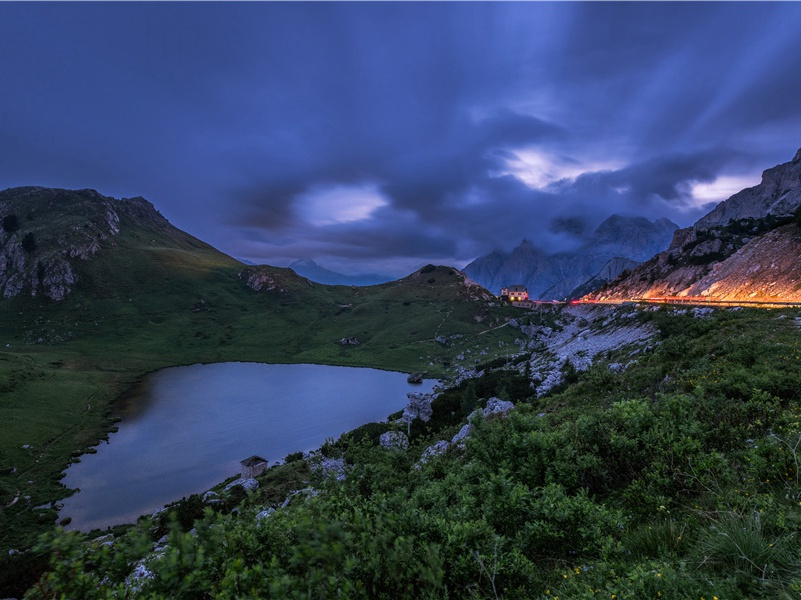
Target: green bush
pixel 29 242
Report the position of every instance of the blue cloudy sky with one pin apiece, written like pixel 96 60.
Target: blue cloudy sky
pixel 382 136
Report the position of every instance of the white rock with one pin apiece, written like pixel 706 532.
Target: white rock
pixel 394 440
pixel 248 484
pixel 264 514
pixel 463 433
pixel 497 407
pixel 434 450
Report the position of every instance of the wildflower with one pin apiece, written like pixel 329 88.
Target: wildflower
pixel 564 576
pixel 659 574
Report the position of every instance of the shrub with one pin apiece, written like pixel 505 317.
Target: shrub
pixel 29 242
pixel 10 223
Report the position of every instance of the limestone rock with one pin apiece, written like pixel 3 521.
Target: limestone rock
pixel 434 450
pixel 419 407
pixel 331 467
pixel 497 407
pixel 248 484
pixel 464 432
pixel 264 514
pixel 394 440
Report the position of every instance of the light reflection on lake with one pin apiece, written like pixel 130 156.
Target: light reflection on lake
pixel 187 428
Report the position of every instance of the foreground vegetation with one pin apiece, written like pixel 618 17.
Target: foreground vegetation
pixel 675 477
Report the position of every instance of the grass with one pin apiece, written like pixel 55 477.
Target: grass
pixel 156 297
pixel 675 477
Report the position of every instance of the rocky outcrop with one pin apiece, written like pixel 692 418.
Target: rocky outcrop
pixel 419 407
pixel 246 483
pixel 549 276
pixel 765 268
pixel 745 248
pixel 778 194
pixel 261 280
pixel 394 440
pixel 585 332
pixel 46 233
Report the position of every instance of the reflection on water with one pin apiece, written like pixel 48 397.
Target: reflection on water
pixel 185 429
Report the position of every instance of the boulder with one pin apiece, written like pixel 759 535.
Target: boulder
pixel 415 378
pixel 394 440
pixel 264 514
pixel 332 467
pixel 464 432
pixel 248 484
pixel 434 450
pixel 497 407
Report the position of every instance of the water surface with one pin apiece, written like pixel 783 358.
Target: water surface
pixel 185 429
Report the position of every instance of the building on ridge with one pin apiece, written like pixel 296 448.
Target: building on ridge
pixel 514 293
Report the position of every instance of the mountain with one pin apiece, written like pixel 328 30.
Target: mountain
pixel 50 237
pixel 615 245
pixel 747 247
pixel 309 269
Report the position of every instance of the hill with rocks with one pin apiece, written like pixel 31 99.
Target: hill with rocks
pixel 746 248
pixel 616 244
pixel 49 236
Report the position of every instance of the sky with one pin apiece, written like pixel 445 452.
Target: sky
pixel 379 137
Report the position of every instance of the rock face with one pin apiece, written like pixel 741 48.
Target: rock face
pixel 46 233
pixel 615 244
pixel 745 248
pixel 778 194
pixel 419 407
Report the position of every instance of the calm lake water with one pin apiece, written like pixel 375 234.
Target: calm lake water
pixel 185 429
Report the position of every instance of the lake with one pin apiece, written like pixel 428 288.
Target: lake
pixel 185 429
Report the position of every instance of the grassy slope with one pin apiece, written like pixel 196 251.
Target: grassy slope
pixel 676 477
pixel 158 297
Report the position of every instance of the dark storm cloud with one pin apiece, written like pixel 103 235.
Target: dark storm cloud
pixel 456 127
pixel 648 185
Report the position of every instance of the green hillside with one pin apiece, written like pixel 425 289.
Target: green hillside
pixel 140 295
pixel 674 477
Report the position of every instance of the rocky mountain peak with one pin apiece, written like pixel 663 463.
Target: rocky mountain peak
pixel 557 275
pixel 778 194
pixel 746 247
pixel 45 230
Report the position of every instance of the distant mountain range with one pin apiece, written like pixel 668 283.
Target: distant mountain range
pixel 747 247
pixel 309 269
pixel 617 244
